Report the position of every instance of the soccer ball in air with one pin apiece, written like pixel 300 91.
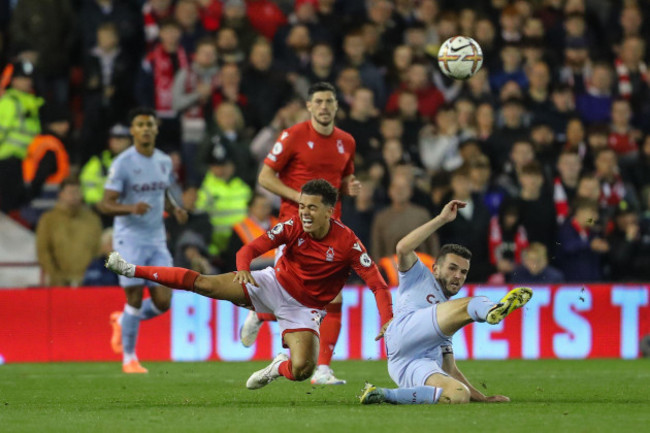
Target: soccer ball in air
pixel 460 57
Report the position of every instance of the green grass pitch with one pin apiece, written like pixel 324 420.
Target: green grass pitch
pixel 547 396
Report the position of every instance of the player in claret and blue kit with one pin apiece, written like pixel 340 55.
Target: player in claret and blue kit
pixel 137 193
pixel 418 340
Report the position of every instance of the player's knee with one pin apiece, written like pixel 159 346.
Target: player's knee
pixel 302 369
pixel 456 393
pixel 163 304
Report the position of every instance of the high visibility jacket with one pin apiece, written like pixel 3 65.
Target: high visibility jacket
pixel 227 204
pixel 249 230
pixel 93 177
pixel 390 268
pixel 35 152
pixel 19 122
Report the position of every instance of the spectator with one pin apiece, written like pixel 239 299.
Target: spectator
pixel 363 124
pixel 511 68
pixel 266 88
pixel 196 233
pixel 321 65
pixel 96 273
pixel 439 144
pixel 538 96
pixel 234 17
pixel 108 89
pixel 631 72
pixel 94 13
pixel 355 56
pixel 577 67
pixel 228 130
pixel 546 148
pixel 46 164
pixel 625 242
pixel 563 109
pixel 224 196
pixel 565 185
pixel 521 155
pixel 347 82
pixel 357 211
pixel 67 238
pixel 623 137
pixel 536 207
pixel 45 28
pixel 393 223
pixel 580 251
pixel 507 240
pixel 534 267
pixel 154 12
pixel 398 68
pixel 513 130
pixel 186 12
pixel 612 186
pixel 258 221
pixel 477 88
pixel 480 175
pixel 595 104
pixel 228 47
pixel 154 85
pixel 95 171
pixel 429 97
pixel 471 227
pixel 407 105
pixel 19 124
pixel 192 91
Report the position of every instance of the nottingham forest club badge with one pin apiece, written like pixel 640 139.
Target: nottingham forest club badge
pixel 339 145
pixel 329 256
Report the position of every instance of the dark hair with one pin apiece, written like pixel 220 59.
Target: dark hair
pixel 323 188
pixel 533 168
pixel 459 250
pixel 141 111
pixel 584 203
pixel 321 86
pixel 69 181
pixel 254 198
pixel 169 22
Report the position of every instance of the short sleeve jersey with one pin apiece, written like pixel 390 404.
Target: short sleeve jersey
pixel 302 154
pixel 141 178
pixel 417 289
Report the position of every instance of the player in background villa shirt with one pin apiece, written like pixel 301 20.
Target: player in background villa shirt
pixel 310 150
pixel 319 255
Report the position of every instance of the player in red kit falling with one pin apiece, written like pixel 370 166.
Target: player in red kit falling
pixel 320 253
pixel 310 150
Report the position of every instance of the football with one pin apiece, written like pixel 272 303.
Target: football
pixel 460 57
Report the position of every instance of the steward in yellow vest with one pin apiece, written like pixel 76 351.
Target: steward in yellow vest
pixel 224 197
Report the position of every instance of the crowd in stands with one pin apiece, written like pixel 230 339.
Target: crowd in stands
pixel 549 143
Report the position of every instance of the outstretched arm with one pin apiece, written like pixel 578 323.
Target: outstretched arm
pixel 406 257
pixel 449 366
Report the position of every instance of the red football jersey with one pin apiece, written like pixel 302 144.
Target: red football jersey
pixel 302 154
pixel 314 271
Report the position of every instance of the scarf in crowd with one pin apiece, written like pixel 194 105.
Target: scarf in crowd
pixel 496 241
pixel 561 201
pixel 623 73
pixel 612 193
pixel 583 232
pixel 163 77
pixel 191 83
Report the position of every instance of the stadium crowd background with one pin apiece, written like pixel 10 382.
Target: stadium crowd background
pixel 548 142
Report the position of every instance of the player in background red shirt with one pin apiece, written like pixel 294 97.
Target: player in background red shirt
pixel 310 150
pixel 319 255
